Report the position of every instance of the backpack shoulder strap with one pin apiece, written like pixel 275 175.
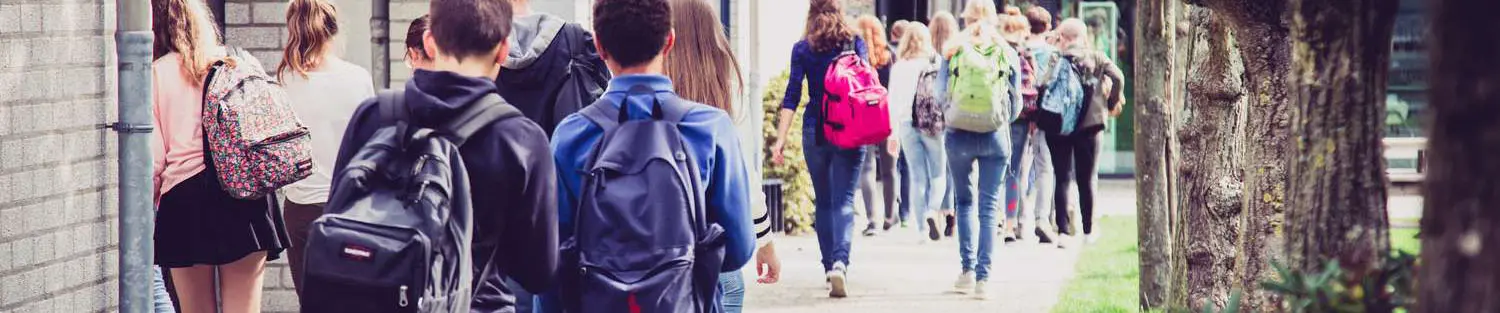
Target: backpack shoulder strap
pixel 487 110
pixel 392 106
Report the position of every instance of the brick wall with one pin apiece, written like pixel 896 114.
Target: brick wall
pixel 57 168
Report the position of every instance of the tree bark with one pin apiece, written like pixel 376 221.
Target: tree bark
pixel 1209 171
pixel 1337 210
pixel 1155 33
pixel 1461 215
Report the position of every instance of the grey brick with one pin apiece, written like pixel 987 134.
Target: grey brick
pixel 269 12
pixel 268 58
pixel 406 11
pixel 10 18
pixel 13 54
pixel 254 37
pixel 31 17
pixel 279 301
pixel 236 13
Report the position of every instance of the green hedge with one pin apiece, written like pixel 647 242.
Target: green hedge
pixel 797 193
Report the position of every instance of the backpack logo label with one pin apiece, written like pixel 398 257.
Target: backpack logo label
pixel 357 253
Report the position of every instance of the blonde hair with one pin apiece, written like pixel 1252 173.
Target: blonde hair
pixel 826 27
pixel 944 27
pixel 702 65
pixel 879 48
pixel 311 25
pixel 978 12
pixel 1015 28
pixel 916 42
pixel 187 28
pixel 1073 32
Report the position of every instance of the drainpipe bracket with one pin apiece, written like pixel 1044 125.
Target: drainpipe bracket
pixel 128 128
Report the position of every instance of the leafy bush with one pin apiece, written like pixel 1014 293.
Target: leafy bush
pixel 1387 288
pixel 796 185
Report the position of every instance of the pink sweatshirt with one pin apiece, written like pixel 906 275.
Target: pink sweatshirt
pixel 176 109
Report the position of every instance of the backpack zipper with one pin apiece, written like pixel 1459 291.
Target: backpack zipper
pixel 403 302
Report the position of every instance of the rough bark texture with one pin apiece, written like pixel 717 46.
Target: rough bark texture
pixel 1461 217
pixel 1209 171
pixel 1263 37
pixel 1337 209
pixel 1155 32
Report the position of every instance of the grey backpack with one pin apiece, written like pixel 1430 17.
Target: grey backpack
pixel 397 232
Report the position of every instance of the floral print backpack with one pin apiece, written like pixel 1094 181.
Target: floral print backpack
pixel 256 142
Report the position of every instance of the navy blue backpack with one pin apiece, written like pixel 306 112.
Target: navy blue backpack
pixel 642 240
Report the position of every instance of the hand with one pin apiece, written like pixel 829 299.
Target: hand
pixel 1117 110
pixel 777 156
pixel 893 147
pixel 767 265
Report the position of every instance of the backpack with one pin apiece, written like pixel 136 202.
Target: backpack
pixel 256 141
pixel 927 114
pixel 980 89
pixel 642 239
pixel 1028 87
pixel 856 108
pixel 565 90
pixel 1062 101
pixel 397 232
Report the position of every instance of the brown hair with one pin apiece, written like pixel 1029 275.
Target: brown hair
pixel 875 42
pixel 184 27
pixel 944 28
pixel 702 65
pixel 1040 20
pixel 826 27
pixel 310 25
pixel 414 33
pixel 469 28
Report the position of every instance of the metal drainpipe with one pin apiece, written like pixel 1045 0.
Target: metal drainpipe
pixel 133 49
pixel 380 39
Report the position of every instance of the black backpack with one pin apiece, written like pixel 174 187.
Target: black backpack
pixel 397 231
pixel 642 239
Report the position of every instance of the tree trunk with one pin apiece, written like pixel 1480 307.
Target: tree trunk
pixel 1337 206
pixel 1461 215
pixel 1155 33
pixel 1212 143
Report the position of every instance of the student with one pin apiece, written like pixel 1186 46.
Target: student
pixel 201 229
pixel 416 53
pixel 983 143
pixel 834 170
pixel 1077 153
pixel 925 152
pixel 703 68
pixel 1039 181
pixel 323 90
pixel 552 70
pixel 944 29
pixel 634 37
pixel 880 160
pixel 515 217
pixel 1015 30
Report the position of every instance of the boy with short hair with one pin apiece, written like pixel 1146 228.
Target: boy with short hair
pixel 633 36
pixel 553 69
pixel 514 185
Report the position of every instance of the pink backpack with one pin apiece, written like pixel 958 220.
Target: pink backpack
pixel 855 105
pixel 257 143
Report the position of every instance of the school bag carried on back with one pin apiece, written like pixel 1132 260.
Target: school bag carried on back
pixel 398 229
pixel 980 89
pixel 929 106
pixel 856 108
pixel 256 141
pixel 642 240
pixel 1062 100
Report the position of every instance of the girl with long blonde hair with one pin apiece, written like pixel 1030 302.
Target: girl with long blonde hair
pixel 324 91
pixel 200 229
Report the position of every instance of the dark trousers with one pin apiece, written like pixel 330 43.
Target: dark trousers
pixel 299 218
pixel 1074 155
pixel 904 174
pixel 891 182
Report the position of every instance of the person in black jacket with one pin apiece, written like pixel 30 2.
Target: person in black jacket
pixel 553 69
pixel 513 177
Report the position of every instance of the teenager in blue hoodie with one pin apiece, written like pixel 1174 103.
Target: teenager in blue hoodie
pixel 633 37
pixel 510 170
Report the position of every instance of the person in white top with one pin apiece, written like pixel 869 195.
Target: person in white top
pixel 324 91
pixel 925 154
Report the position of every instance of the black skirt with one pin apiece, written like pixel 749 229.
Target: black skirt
pixel 197 223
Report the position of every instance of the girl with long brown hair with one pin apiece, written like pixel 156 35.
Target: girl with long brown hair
pixel 834 170
pixel 703 69
pixel 324 91
pixel 879 184
pixel 200 229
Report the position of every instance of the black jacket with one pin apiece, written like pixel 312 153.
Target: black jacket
pixel 552 71
pixel 513 181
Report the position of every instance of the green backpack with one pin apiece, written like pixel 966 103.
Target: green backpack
pixel 980 87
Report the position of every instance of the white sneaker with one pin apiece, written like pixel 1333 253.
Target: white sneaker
pixel 1063 241
pixel 838 281
pixel 1090 239
pixel 965 283
pixel 980 292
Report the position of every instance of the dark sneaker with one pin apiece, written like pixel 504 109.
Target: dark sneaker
pixel 948 230
pixel 870 231
pixel 1010 239
pixel 888 226
pixel 932 229
pixel 1042 236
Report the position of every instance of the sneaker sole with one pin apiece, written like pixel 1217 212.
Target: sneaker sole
pixel 838 287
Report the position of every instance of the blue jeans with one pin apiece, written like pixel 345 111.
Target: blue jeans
pixel 835 178
pixel 1015 177
pixel 732 286
pixel 927 160
pixel 991 151
pixel 159 295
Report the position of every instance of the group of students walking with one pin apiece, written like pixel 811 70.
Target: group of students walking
pixel 601 171
pixel 1004 99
